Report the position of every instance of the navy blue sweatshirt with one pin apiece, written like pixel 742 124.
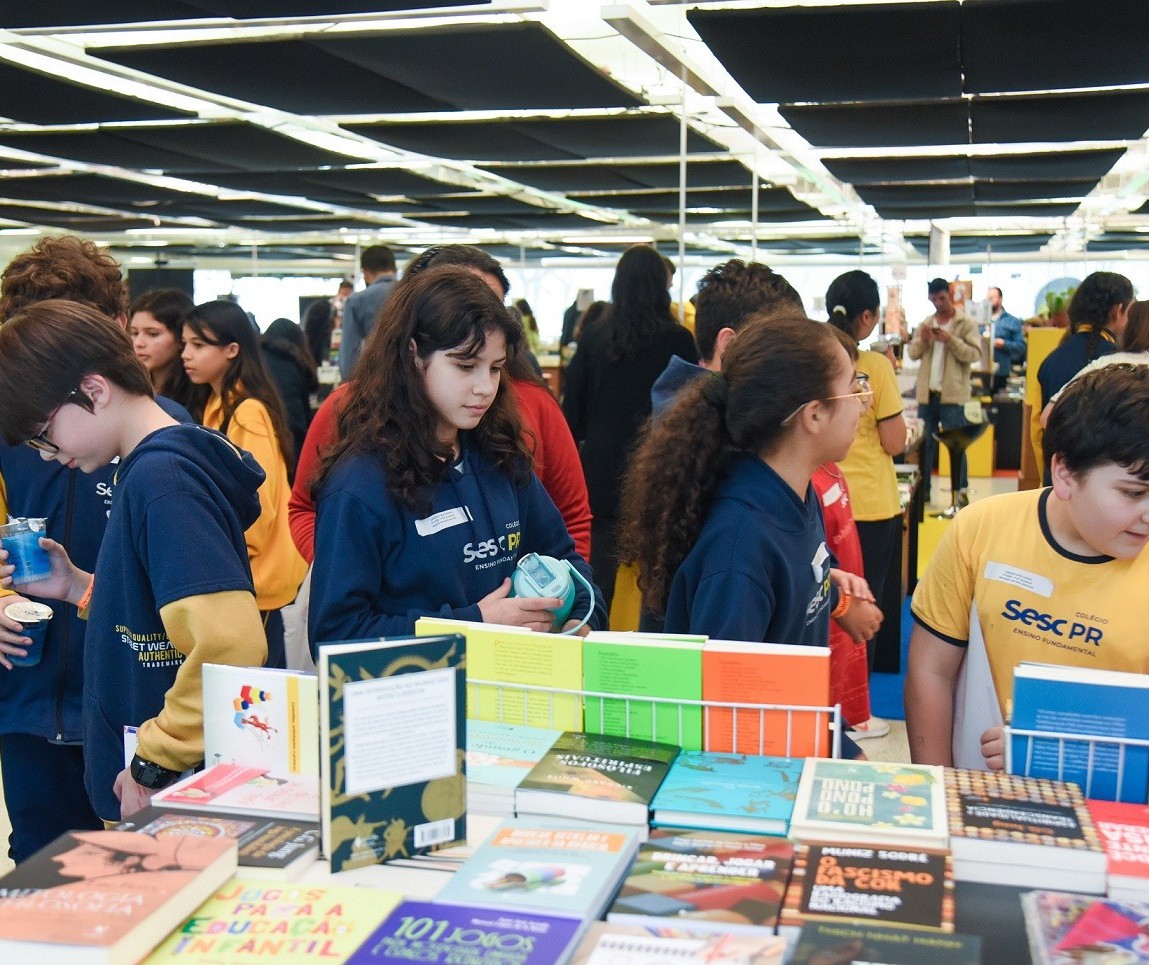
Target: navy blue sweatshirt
pixel 379 567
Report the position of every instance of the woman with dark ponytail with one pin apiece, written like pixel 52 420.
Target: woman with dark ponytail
pixel 853 302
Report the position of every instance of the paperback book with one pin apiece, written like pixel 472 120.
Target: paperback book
pixel 644 665
pixel 610 943
pixel 824 942
pixel 268 847
pixel 596 777
pixel 1022 831
pixel 868 802
pixel 422 931
pixel 1080 701
pixel 244 790
pixel 106 896
pixel 252 921
pixel 393 738
pixel 499 755
pixel 732 792
pixel 1048 917
pixel 1124 830
pixel 550 866
pixel 1069 929
pixel 706 881
pixel 261 717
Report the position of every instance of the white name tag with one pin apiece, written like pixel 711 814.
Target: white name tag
pixel 818 563
pixel 1004 573
pixel 832 495
pixel 440 521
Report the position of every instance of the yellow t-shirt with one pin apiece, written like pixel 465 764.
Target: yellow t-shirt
pixel 277 569
pixel 868 467
pixel 1035 601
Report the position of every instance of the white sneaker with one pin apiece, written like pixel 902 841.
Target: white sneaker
pixel 874 727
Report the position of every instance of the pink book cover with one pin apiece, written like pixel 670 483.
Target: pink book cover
pixel 251 790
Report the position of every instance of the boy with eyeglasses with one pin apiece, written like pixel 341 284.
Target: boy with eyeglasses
pixel 172 587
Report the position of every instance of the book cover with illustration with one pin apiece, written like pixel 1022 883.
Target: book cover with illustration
pixel 610 943
pixel 825 942
pixel 644 665
pixel 904 887
pixel 1124 830
pixel 510 657
pixel 109 896
pixel 268 847
pixel 253 921
pixel 706 880
pixel 393 738
pixel 1071 929
pixel 499 755
pixel 261 717
pixel 1024 831
pixel 422 931
pixel 596 777
pixel 871 803
pixel 734 792
pixel 244 790
pixel 545 865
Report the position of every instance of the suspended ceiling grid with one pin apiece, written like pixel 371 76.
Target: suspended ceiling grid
pixel 555 128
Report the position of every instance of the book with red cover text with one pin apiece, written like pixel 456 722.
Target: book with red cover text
pixel 1124 830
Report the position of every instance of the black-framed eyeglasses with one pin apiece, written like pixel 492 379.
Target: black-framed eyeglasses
pixel 864 393
pixel 40 441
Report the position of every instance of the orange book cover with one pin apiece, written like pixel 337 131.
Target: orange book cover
pixel 766 673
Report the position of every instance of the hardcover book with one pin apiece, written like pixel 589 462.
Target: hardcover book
pixel 706 881
pixel 244 790
pixel 902 887
pixel 106 896
pixel 424 932
pixel 766 673
pixel 551 866
pixel 869 802
pixel 252 921
pixel 511 657
pixel 1124 830
pixel 499 755
pixel 733 792
pixel 822 942
pixel 392 731
pixel 1080 701
pixel 609 943
pixel 1023 831
pixel 261 717
pixel 644 665
pixel 268 847
pixel 596 777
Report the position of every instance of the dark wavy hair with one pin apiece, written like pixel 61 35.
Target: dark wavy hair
pixel 221 323
pixel 1101 418
pixel 848 296
pixel 640 303
pixel 778 362
pixel 1089 307
pixel 730 293
pixel 388 413
pixel 168 306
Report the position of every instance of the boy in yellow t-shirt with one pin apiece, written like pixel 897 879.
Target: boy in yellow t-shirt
pixel 1056 575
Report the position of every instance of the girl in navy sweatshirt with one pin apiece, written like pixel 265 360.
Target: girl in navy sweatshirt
pixel 427 501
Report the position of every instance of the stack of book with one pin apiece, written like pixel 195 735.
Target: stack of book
pixel 1124 830
pixel 239 789
pixel 1070 929
pixel 499 756
pixel 1024 831
pixel 609 943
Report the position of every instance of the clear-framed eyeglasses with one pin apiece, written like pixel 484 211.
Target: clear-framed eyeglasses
pixel 864 393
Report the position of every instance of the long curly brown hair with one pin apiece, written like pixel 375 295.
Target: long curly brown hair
pixel 388 412
pixel 777 362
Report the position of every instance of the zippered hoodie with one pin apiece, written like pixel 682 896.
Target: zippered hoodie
pixel 173 591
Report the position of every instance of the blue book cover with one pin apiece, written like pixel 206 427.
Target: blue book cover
pixel 502 754
pixel 1077 701
pixel 735 792
pixel 421 931
pixel 553 866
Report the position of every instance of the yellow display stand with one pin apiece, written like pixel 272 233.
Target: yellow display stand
pixel 978 457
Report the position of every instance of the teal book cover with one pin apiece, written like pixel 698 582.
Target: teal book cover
pixel 735 792
pixel 501 754
pixel 393 739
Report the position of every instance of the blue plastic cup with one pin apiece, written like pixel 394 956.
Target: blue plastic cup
pixel 34 618
pixel 21 538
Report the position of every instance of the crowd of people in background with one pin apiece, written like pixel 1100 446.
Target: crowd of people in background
pixel 730 460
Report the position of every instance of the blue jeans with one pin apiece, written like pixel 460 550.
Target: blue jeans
pixel 937 415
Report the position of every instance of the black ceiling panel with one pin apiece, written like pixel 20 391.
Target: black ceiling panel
pixel 1016 45
pixel 230 210
pixel 799 212
pixel 724 198
pixel 1030 190
pixel 478 204
pixel 985 244
pixel 11 164
pixel 880 125
pixel 565 178
pixel 97 147
pixel 258 9
pixel 72 220
pixel 335 186
pixel 1119 241
pixel 541 221
pixel 881 170
pixel 300 226
pixel 540 140
pixel 985 210
pixel 91 189
pixel 1144 209
pixel 383 181
pixel 699 174
pixel 916 195
pixel 915 212
pixel 78 13
pixel 1120 116
pixel 838 53
pixel 1062 164
pixel 818 246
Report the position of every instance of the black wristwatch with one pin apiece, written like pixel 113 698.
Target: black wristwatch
pixel 150 775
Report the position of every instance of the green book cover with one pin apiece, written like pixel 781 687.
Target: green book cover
pixel 644 666
pixel 393 741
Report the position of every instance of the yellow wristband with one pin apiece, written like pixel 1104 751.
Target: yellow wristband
pixel 840 609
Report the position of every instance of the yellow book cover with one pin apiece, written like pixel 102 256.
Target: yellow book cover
pixel 255 921
pixel 512 656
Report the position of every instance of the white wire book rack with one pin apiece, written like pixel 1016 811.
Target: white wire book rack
pixel 765 723
pixel 1106 767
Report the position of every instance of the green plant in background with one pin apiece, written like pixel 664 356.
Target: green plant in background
pixel 1057 302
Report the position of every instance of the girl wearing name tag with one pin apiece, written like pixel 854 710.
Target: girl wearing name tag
pixel 427 500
